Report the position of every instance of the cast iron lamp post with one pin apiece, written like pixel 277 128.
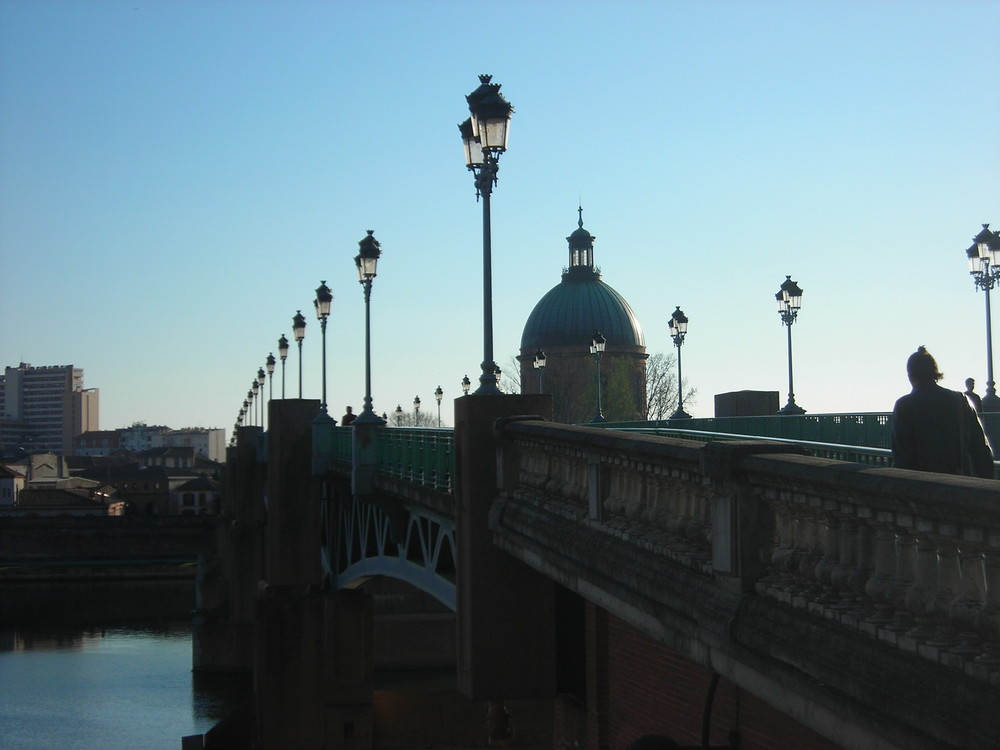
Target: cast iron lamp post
pixel 250 406
pixel 322 303
pixel 597 349
pixel 283 355
pixel 270 362
pixel 438 394
pixel 366 262
pixel 539 365
pixel 678 330
pixel 984 265
pixel 299 332
pixel 484 138
pixel 261 379
pixel 416 411
pixel 789 299
pixel 399 415
pixel 466 385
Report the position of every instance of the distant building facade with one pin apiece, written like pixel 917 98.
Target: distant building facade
pixel 46 408
pixel 140 437
pixel 11 484
pixel 98 443
pixel 208 443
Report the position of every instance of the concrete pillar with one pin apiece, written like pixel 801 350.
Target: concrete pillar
pixel 506 615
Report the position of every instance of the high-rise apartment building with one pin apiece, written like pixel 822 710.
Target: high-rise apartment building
pixel 45 408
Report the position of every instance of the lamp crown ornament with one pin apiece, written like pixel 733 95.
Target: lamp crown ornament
pixel 323 301
pixel 299 326
pixel 367 258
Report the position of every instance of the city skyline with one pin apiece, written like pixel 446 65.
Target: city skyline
pixel 178 178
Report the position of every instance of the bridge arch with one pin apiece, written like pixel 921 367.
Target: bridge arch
pixel 362 539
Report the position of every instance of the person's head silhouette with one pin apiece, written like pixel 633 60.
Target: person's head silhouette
pixel 921 368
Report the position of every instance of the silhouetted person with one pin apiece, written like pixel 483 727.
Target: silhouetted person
pixel 349 417
pixel 934 429
pixel 970 393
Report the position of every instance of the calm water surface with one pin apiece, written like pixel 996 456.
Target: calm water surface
pixel 126 685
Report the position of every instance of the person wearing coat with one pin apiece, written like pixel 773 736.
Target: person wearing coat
pixel 934 429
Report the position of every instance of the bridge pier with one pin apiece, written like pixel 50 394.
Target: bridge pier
pixel 313 665
pixel 227 584
pixel 506 610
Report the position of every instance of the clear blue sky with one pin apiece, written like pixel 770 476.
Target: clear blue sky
pixel 177 177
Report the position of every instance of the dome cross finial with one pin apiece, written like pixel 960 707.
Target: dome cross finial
pixel 579 223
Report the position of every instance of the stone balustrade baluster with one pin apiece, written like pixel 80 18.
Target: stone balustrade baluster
pixel 807 587
pixel 864 563
pixel 827 528
pixel 879 585
pixel 902 579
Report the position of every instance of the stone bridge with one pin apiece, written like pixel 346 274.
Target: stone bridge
pixel 739 593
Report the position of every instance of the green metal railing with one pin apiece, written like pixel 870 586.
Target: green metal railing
pixel 857 454
pixel 867 429
pixel 421 455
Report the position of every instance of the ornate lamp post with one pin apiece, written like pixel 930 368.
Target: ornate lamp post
pixel 789 299
pixel 283 355
pixel 270 362
pixel 678 330
pixel 322 303
pixel 366 262
pixel 438 394
pixel 984 265
pixel 261 379
pixel 249 406
pixel 299 332
pixel 416 411
pixel 597 349
pixel 484 138
pixel 539 365
pixel 399 415
pixel 466 385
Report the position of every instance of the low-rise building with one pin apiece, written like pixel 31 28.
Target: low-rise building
pixel 11 484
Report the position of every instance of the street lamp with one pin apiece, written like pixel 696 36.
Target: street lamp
pixel 597 344
pixel 466 385
pixel 249 407
pixel 261 379
pixel 269 364
pixel 399 415
pixel 299 332
pixel 539 364
pixel 789 299
pixel 322 303
pixel 366 262
pixel 283 355
pixel 984 265
pixel 438 394
pixel 416 411
pixel 678 330
pixel 484 138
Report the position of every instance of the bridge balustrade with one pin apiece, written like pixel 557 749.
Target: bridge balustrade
pixel 908 559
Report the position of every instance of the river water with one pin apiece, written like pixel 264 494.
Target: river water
pixel 107 667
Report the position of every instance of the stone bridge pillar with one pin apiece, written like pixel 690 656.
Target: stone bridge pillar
pixel 223 632
pixel 506 611
pixel 313 667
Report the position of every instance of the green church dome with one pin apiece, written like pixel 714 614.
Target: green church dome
pixel 580 304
